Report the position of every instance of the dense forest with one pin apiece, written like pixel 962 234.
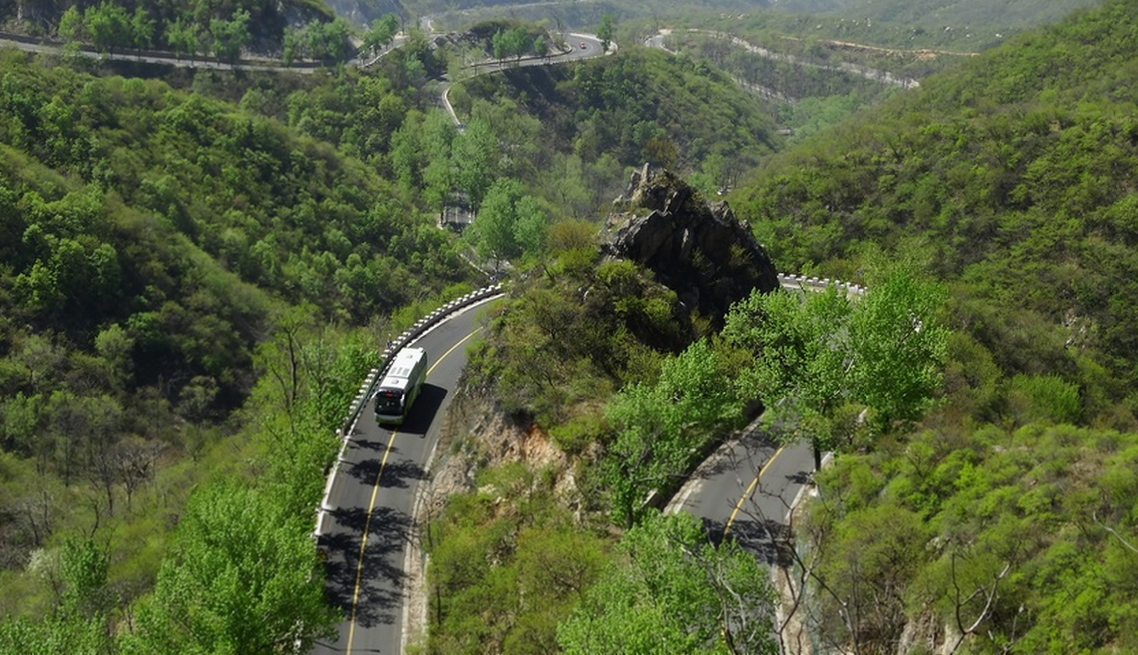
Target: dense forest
pixel 1011 180
pixel 165 24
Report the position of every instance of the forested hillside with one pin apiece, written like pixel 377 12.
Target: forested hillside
pixel 980 499
pixel 194 275
pixel 636 106
pixel 1004 520
pixel 1010 177
pixel 162 249
pixel 169 25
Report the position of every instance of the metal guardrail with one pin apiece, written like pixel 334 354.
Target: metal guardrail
pixel 376 375
pixel 818 284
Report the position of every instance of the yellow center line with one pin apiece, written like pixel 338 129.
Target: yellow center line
pixel 371 506
pixel 750 489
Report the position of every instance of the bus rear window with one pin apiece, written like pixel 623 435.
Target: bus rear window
pixel 389 402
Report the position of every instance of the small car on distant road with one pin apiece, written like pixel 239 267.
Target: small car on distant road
pixel 584 46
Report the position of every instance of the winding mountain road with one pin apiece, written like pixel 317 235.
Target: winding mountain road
pixel 369 525
pixel 746 489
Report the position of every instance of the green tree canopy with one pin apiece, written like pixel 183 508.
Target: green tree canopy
pixel 109 26
pixel 674 592
pixel 814 355
pixel 245 579
pixel 605 29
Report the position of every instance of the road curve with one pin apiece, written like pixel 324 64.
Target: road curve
pixel 371 501
pixel 749 485
pixel 746 489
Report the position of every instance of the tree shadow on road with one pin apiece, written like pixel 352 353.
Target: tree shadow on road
pixel 380 571
pixel 398 472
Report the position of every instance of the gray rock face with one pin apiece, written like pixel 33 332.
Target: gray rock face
pixel 697 249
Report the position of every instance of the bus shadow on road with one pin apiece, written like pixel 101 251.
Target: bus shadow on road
pixel 423 412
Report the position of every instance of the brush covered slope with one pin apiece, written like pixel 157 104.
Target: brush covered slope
pixel 1006 520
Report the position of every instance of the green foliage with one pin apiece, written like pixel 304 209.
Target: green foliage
pixel 109 26
pixel 1043 397
pixel 323 41
pixel 57 636
pixel 1024 534
pixel 230 36
pixel 631 105
pixel 576 330
pixel 381 33
pixel 179 25
pixel 511 43
pixel 1012 178
pixel 243 578
pixel 812 357
pixel 674 592
pixel 509 223
pixel 151 241
pixel 605 29
pixel 664 428
pixel 508 563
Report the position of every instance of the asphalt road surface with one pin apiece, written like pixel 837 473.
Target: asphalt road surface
pixel 745 491
pixel 373 494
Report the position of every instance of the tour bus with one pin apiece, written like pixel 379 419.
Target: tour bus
pixel 400 386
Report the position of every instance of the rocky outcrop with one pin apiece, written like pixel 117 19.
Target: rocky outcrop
pixel 697 249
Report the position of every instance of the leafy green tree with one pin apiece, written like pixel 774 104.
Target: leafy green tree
pixel 814 355
pixel 327 40
pixel 498 45
pixel 605 29
pixel 660 428
pixel 493 229
pixel 531 225
pixel 243 578
pixel 71 24
pixel 473 156
pixel 517 42
pixel 142 28
pixel 64 635
pixel 183 37
pixel 899 346
pixel 109 26
pixel 799 358
pixel 292 45
pixel 230 36
pixel 436 143
pixel 83 574
pixel 381 33
pixel 674 592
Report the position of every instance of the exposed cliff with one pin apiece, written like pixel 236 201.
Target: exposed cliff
pixel 695 248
